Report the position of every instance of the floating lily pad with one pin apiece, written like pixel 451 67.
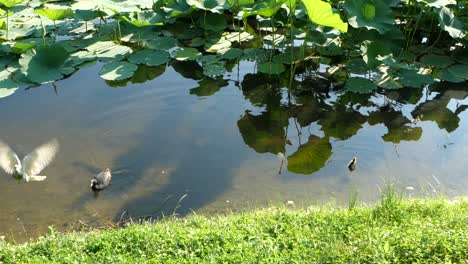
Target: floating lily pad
pixel 109 51
pixel 149 57
pixel 116 71
pixel 440 61
pixel 311 156
pixel 187 54
pixel 271 68
pixel 221 44
pixel 360 85
pixel 254 54
pixel 44 64
pixel 161 43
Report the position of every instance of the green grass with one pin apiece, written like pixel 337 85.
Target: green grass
pixel 393 230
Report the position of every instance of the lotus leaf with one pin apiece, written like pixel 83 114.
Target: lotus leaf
pixel 116 71
pixel 221 44
pixel 360 85
pixel 264 8
pixel 311 156
pixel 145 18
pixel 455 73
pixel 253 54
pixel 215 6
pixel 388 82
pixel 88 15
pixel 231 53
pixel 54 14
pixel 413 79
pixel 239 3
pixel 187 54
pixel 449 23
pixel 440 61
pixel 357 66
pixel 45 64
pixel 172 8
pixel 320 13
pixel 371 50
pixel 11 3
pixel 161 43
pixel 149 57
pixel 214 22
pixel 271 67
pixel 371 14
pixel 109 51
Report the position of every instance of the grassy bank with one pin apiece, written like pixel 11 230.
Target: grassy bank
pixel 393 230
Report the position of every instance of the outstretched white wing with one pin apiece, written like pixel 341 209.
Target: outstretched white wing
pixel 39 158
pixel 8 158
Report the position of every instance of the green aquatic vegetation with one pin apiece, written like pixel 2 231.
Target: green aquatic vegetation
pixel 385 41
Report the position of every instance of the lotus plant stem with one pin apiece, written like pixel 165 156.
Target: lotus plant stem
pixel 413 31
pixel 7 25
pixel 43 32
pixel 119 32
pixel 273 37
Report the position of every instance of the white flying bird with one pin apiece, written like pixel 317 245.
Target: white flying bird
pixel 32 164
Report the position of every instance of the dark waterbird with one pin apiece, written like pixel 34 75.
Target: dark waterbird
pixel 352 164
pixel 101 180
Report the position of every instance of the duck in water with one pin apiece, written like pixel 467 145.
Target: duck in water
pixel 352 164
pixel 32 164
pixel 102 180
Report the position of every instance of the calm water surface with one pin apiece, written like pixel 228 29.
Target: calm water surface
pixel 225 143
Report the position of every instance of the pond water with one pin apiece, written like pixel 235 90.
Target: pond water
pixel 223 145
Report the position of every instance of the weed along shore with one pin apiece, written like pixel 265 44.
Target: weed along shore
pixel 393 230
